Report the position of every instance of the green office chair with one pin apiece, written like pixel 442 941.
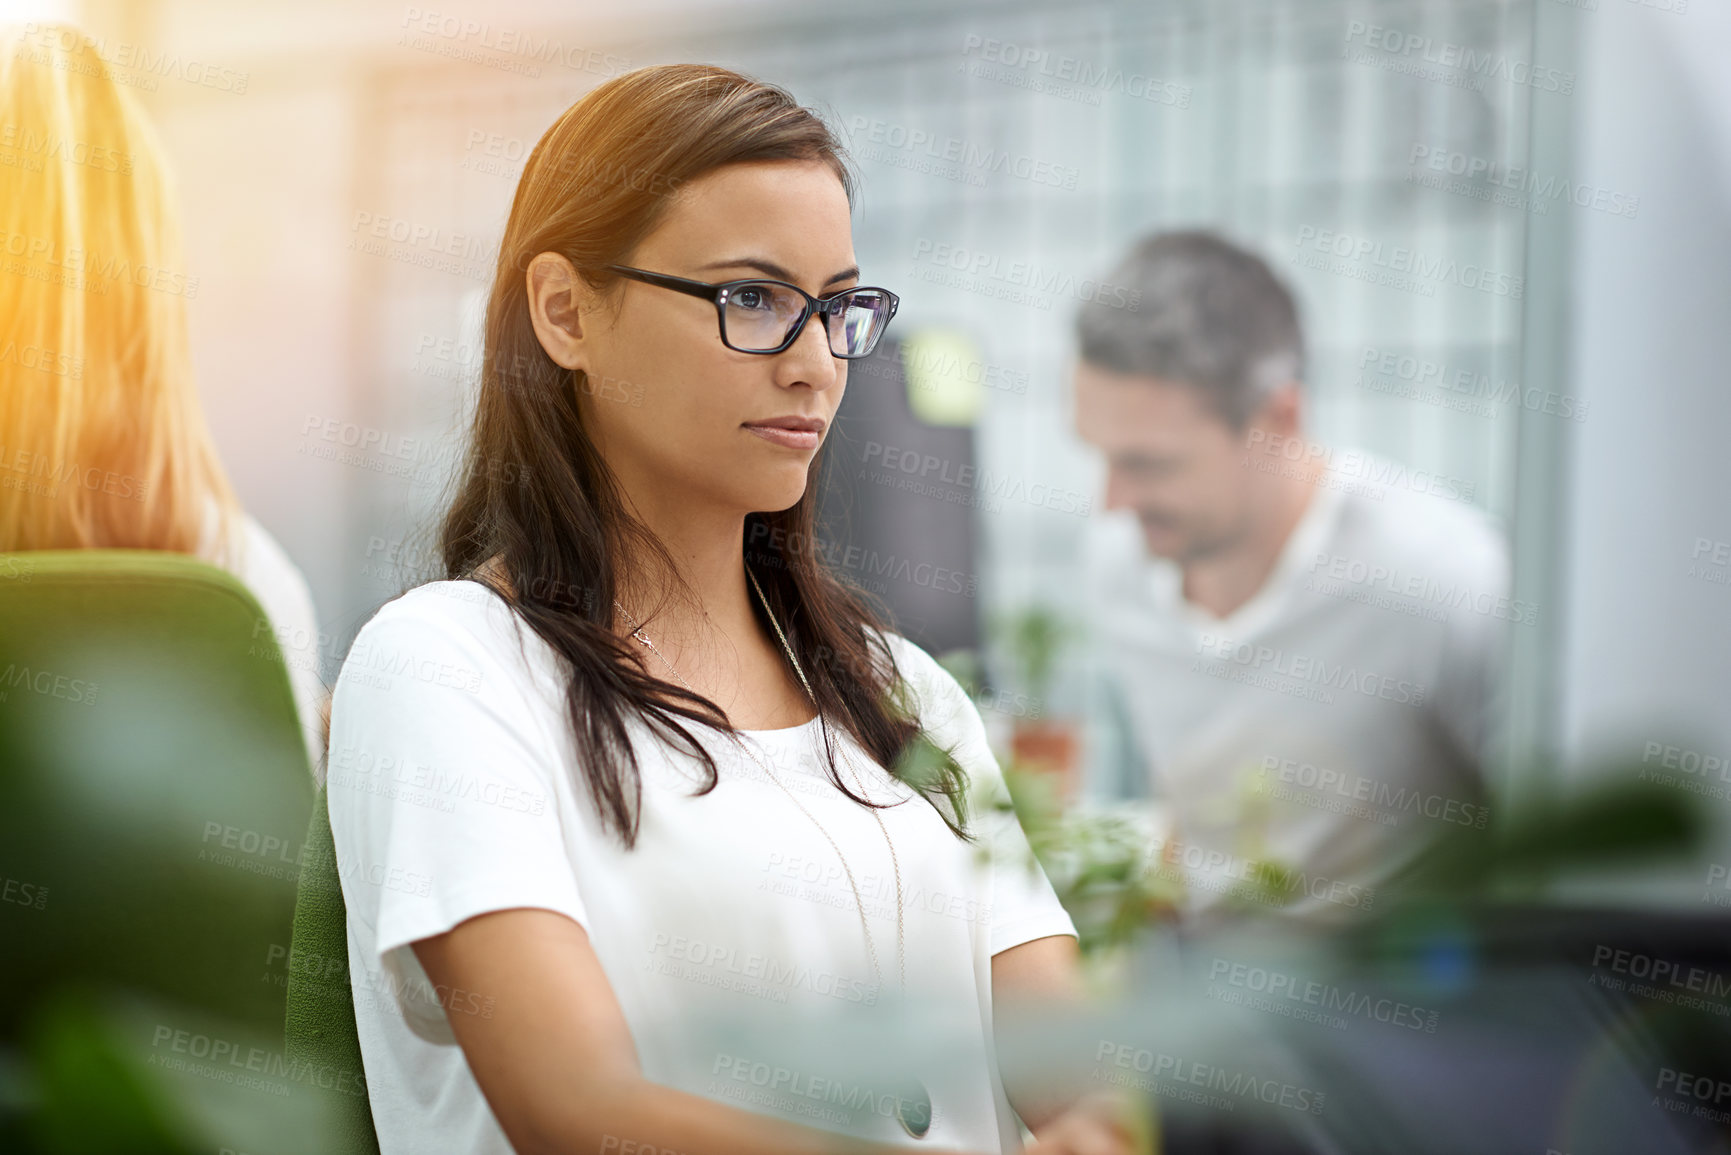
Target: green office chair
pixel 154 800
pixel 321 1008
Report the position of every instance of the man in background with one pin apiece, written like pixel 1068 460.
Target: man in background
pixel 1304 638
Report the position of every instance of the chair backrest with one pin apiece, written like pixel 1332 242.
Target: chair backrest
pixel 321 1006
pixel 154 788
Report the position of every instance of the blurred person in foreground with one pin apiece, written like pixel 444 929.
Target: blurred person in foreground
pixel 1305 638
pixel 103 444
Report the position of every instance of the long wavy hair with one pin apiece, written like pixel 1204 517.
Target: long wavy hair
pixel 535 494
pixel 103 442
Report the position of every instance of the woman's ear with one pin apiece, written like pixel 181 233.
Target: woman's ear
pixel 554 303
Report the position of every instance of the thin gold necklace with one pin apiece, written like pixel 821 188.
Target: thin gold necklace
pixel 639 635
pixel 914 1110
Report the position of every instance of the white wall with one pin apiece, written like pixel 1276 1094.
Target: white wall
pixel 1648 646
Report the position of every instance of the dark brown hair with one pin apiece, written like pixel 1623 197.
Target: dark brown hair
pixel 597 184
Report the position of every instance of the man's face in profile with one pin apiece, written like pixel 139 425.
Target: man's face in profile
pixel 1171 459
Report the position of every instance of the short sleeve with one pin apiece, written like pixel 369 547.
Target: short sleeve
pixel 442 777
pixel 1023 904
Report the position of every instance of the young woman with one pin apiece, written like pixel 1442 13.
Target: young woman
pixel 645 875
pixel 103 444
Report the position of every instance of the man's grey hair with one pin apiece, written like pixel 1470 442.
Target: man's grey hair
pixel 1211 315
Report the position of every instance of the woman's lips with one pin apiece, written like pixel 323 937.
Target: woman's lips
pixel 791 438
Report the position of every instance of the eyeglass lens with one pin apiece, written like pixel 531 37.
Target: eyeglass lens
pixel 759 317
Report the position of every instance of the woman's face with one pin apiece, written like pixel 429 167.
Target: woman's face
pixel 668 405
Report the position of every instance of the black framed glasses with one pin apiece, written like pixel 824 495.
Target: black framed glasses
pixel 766 316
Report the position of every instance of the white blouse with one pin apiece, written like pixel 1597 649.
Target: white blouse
pixel 730 935
pixel 266 569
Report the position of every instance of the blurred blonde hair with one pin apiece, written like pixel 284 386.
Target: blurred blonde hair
pixel 103 443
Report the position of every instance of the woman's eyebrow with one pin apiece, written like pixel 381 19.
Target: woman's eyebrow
pixel 775 270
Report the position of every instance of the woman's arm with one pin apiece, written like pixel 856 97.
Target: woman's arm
pixel 1035 975
pixel 556 1061
pixel 1064 1116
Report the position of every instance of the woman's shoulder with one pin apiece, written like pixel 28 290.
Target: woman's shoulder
pixel 464 612
pixel 460 631
pixel 941 700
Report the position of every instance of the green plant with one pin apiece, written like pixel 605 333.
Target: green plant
pixel 1101 866
pixel 1034 636
pixel 964 666
pixel 1098 863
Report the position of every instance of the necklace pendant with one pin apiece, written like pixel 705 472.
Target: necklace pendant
pixel 914 1108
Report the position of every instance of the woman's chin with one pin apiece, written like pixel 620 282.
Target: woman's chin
pixel 775 498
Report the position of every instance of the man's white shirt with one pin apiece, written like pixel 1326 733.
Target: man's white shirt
pixel 1332 725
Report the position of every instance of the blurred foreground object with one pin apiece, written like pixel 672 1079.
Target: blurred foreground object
pixel 1480 1004
pixel 154 794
